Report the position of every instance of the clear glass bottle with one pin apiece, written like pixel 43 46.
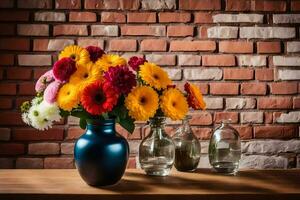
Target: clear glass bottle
pixel 225 149
pixel 157 151
pixel 187 147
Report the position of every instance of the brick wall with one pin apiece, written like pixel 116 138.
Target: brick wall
pixel 244 55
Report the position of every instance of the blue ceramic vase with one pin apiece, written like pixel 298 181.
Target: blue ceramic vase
pixel 101 154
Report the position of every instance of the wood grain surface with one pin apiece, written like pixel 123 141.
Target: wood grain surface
pixel 201 184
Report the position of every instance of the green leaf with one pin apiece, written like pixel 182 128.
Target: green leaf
pixel 64 113
pixel 127 123
pixel 82 123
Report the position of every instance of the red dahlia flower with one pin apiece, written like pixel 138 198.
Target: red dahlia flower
pixel 121 78
pixel 63 69
pixel 95 53
pixel 99 97
pixel 135 62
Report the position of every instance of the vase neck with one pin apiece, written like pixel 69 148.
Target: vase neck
pixel 101 126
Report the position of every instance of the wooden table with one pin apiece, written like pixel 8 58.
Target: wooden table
pixel 202 184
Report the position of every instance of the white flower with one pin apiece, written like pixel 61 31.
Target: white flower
pixel 36 101
pixel 50 111
pixel 38 119
pixel 25 118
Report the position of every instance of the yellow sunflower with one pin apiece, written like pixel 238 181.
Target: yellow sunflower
pixel 85 74
pixel 174 104
pixel 154 76
pixel 68 97
pixel 78 54
pixel 107 61
pixel 142 103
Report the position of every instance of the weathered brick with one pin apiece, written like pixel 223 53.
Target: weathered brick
pixel 168 17
pixel 218 60
pixel 203 17
pixel 192 46
pixel 84 42
pixel 219 117
pixel 296 102
pixel 271 146
pixel 50 16
pixel 141 17
pixel 233 5
pixel 43 149
pixel 34 60
pixel 235 47
pixel 223 32
pixel 275 103
pixel 252 117
pixel 202 133
pixel 245 131
pixel 104 30
pixel 67 148
pixel 288 74
pixel 286 18
pixel 188 59
pixel 33 29
pixel 265 5
pixel 275 132
pixel 291 117
pixel 59 163
pixel 213 102
pixel 122 45
pixel 253 88
pixel 238 18
pixel 158 4
pixel 51 44
pixel 200 118
pixel 263 162
pixel 268 47
pixel 180 31
pixel 257 61
pixel 82 17
pixel 238 74
pixel 286 61
pixel 41 4
pixel 143 30
pixel 267 32
pixel 199 4
pixel 62 4
pixel 29 163
pixel 284 88
pixel 174 74
pixel 154 45
pixel 113 17
pixel 224 88
pixel 293 47
pixel 203 74
pixel 264 74
pixel 70 30
pixel 240 103
pixel 161 59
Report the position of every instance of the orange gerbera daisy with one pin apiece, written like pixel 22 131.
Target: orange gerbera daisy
pixel 194 96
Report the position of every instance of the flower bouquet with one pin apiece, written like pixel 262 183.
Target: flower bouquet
pixel 102 89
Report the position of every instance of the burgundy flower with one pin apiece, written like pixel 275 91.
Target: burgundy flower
pixel 95 53
pixel 135 62
pixel 121 78
pixel 63 69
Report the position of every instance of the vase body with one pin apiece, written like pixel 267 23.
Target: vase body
pixel 187 148
pixel 225 149
pixel 157 151
pixel 101 154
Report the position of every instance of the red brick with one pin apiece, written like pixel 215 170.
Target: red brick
pixel 70 30
pixel 113 17
pixel 18 73
pixel 74 133
pixel 238 74
pixel 201 118
pixel 82 17
pixel 122 45
pixel 59 163
pixel 63 4
pixel 295 5
pixel 253 88
pixel 275 132
pixel 40 44
pixel 266 5
pixel 245 132
pixel 268 116
pixel 6 4
pixel 131 163
pixel 90 42
pixel 224 88
pixel 29 163
pixel 42 4
pixel 202 86
pixel 136 135
pixel 7 59
pixel 8 118
pixel 7 29
pixel 11 15
pixel 241 5
pixel 43 148
pixel 180 31
pixel 268 47
pixel 284 88
pixel 27 88
pixel 223 116
pixel 168 17
pixel 8 89
pixel 199 4
pixel 192 45
pixel 203 32
pixel 112 5
pixel 153 45
pixel 14 44
pixel 275 103
pixel 203 18
pixel 235 47
pixel 218 60
pixel 30 134
pixel 202 133
pixel 143 30
pixel 12 149
pixel 264 74
pixel 6 103
pixel 6 163
pixel 296 102
pixel 141 17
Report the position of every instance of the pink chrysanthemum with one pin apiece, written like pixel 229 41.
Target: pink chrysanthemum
pixel 63 69
pixel 51 92
pixel 135 62
pixel 121 78
pixel 95 53
pixel 43 81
